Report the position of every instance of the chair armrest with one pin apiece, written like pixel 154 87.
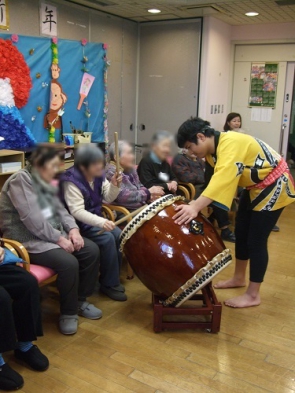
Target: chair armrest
pixel 191 188
pixel 108 213
pixel 21 251
pixel 120 209
pixel 183 191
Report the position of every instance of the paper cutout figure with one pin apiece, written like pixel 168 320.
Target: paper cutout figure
pixel 57 100
pixel 55 70
pixel 86 84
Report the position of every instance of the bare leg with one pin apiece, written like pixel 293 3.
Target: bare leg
pixel 239 278
pixel 249 299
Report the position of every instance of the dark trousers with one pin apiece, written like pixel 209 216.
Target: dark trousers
pixel 252 231
pixel 20 315
pixel 77 273
pixel 221 216
pixel 110 256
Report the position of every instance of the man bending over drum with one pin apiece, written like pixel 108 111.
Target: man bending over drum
pixel 240 160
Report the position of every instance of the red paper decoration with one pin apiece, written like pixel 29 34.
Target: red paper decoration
pixel 14 67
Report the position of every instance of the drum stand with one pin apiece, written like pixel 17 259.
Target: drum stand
pixel 210 307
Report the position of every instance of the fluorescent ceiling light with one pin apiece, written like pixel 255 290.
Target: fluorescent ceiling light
pixel 154 11
pixel 252 13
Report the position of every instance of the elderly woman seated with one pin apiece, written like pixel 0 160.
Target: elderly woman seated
pixel 189 169
pixel 84 187
pixel 153 169
pixel 31 213
pixel 132 193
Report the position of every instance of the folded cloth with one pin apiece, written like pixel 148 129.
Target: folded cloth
pixel 10 258
pixel 274 175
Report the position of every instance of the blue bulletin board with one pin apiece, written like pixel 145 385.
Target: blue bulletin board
pixel 38 55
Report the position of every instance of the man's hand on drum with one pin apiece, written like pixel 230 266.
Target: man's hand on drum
pixel 172 186
pixel 186 213
pixel 156 192
pixel 109 226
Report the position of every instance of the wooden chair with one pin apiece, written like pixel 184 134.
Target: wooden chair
pixel 44 275
pixel 108 211
pixel 183 191
pixel 190 187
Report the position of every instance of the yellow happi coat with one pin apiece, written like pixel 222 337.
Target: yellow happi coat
pixel 241 160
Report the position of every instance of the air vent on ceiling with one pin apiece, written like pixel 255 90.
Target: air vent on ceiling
pixel 193 7
pixel 102 3
pixel 285 2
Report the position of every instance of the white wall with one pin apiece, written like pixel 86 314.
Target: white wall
pixel 218 69
pixel 215 70
pixel 269 31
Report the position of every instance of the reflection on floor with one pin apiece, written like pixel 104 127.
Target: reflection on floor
pixel 254 352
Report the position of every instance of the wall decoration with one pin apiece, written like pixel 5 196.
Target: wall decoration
pixel 87 82
pixel 68 74
pixel 263 88
pixel 15 86
pixel 48 20
pixel 58 98
pixel 4 15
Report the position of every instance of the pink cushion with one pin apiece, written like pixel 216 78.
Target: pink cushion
pixel 41 273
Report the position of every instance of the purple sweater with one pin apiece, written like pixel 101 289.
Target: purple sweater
pixel 132 193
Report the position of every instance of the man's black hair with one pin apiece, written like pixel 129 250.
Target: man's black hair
pixel 188 131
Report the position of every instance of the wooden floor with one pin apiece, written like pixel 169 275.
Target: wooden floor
pixel 254 352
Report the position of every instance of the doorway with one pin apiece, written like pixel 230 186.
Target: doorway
pixel 288 121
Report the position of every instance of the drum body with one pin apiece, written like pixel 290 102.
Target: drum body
pixel 173 261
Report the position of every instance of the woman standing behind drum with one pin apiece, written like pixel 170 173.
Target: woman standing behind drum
pixel 240 159
pixel 154 169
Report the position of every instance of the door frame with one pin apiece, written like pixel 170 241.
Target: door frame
pixel 286 115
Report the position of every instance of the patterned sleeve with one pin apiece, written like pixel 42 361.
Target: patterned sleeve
pixel 184 172
pixel 132 193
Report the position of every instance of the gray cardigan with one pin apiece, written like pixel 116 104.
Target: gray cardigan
pixel 23 219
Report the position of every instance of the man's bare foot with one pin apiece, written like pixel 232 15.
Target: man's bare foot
pixel 231 283
pixel 243 301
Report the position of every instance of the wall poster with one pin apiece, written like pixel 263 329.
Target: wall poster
pixel 263 88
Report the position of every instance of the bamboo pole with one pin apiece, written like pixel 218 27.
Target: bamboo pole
pixel 117 156
pixel 125 218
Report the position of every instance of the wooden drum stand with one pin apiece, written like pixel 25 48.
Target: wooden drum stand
pixel 165 318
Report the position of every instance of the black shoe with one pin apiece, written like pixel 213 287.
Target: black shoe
pixel 33 358
pixel 10 379
pixel 276 229
pixel 228 235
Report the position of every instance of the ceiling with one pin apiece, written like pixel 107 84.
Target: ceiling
pixel 230 11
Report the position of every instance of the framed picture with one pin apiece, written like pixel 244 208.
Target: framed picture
pixel 4 15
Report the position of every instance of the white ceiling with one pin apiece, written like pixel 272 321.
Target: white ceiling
pixel 230 11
